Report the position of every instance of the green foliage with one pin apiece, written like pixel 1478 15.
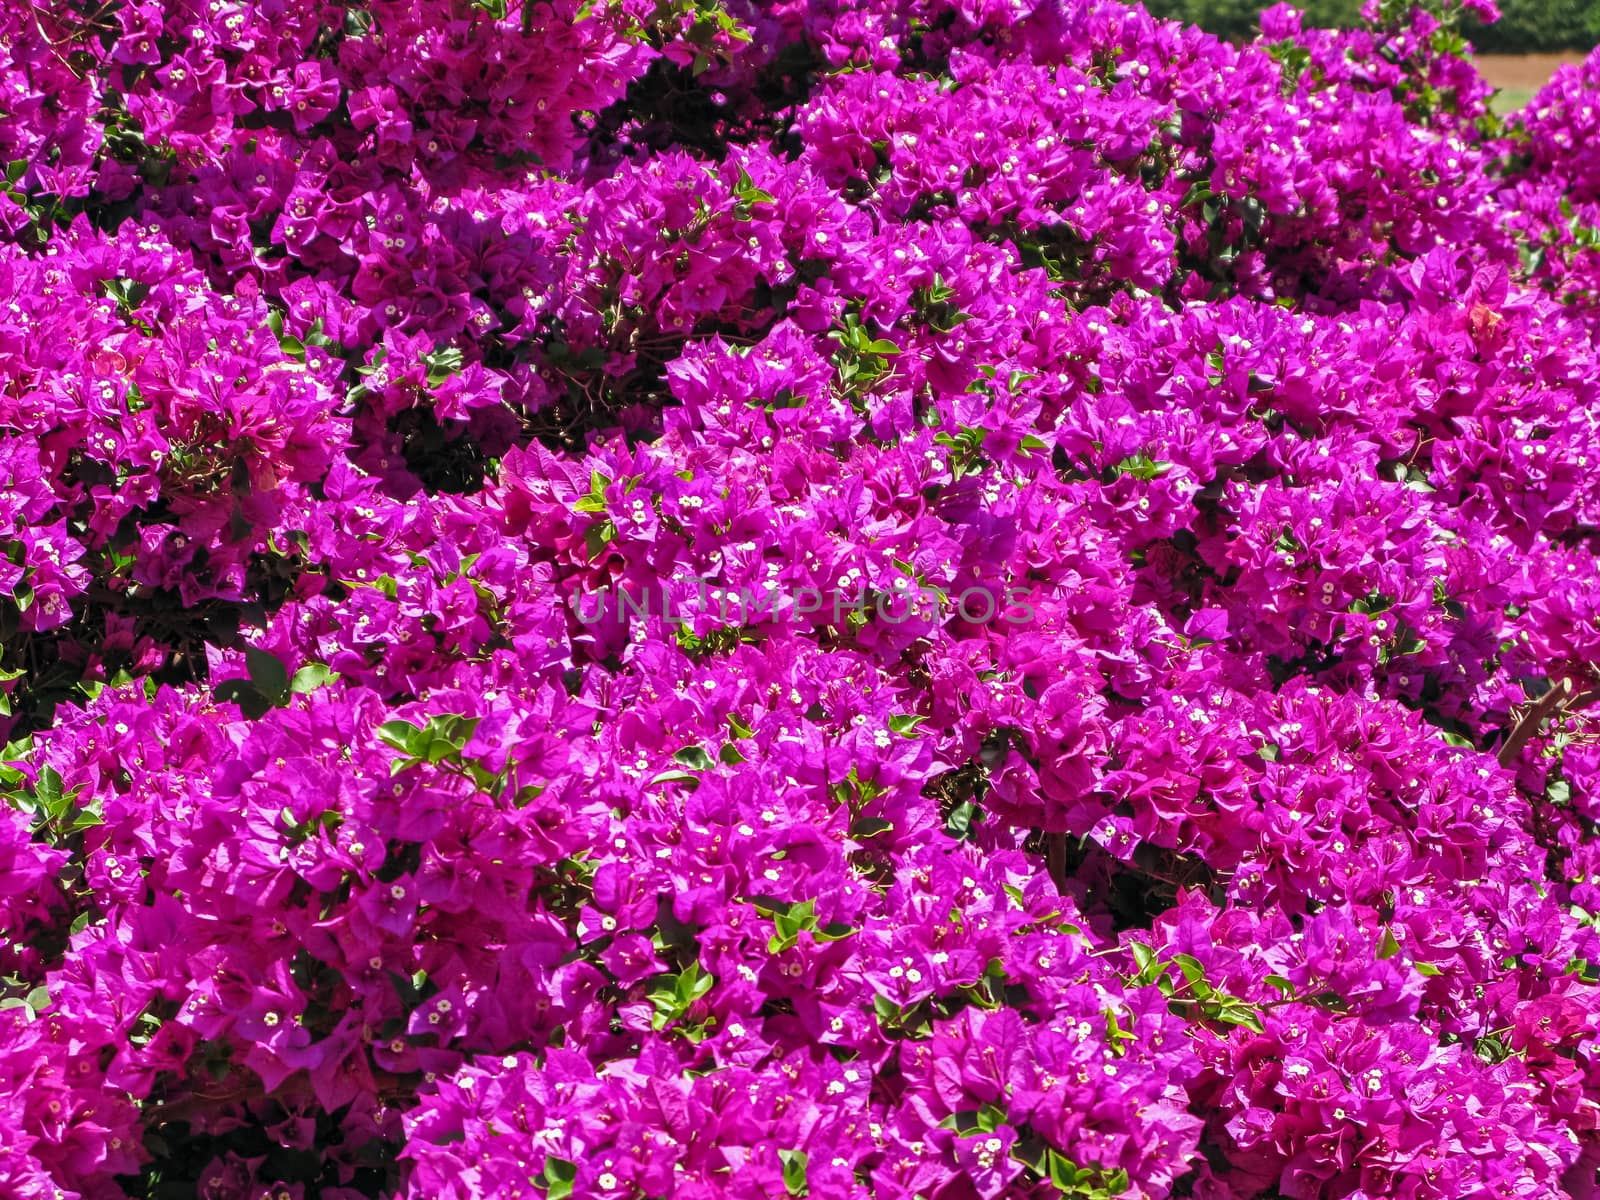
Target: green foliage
pixel 672 996
pixel 1072 1181
pixel 557 1177
pixel 441 740
pixel 1239 18
pixel 796 1180
pixel 862 359
pixel 270 685
pixel 1535 26
pixel 790 920
pixel 54 809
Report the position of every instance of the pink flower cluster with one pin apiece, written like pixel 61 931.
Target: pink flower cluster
pixel 349 349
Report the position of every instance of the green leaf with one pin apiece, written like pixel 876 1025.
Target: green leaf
pixel 672 995
pixel 695 758
pixel 748 193
pixel 795 1179
pixel 1192 968
pixel 311 677
pixel 88 818
pixel 1492 1049
pixel 557 1177
pixel 970 1122
pixel 676 777
pixel 595 501
pixel 905 724
pixel 1285 988
pixel 1233 1011
pixel 1062 1171
pixel 959 823
pixel 50 794
pixel 447 735
pixel 1116 1035
pixel 267 673
pixel 1144 957
pixel 442 364
pixel 789 923
pixel 696 987
pixel 1388 946
pixel 598 537
pixel 403 736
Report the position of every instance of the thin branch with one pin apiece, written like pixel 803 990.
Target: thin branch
pixel 1561 698
pixel 1056 860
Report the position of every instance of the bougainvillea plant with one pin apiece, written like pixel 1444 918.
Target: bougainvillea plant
pixel 914 599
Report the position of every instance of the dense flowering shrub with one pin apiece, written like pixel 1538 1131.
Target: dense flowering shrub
pixel 930 600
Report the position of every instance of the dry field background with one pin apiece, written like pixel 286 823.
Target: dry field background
pixel 1519 76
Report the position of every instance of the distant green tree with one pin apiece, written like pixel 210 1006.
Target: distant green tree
pixel 1239 19
pixel 1525 26
pixel 1534 26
